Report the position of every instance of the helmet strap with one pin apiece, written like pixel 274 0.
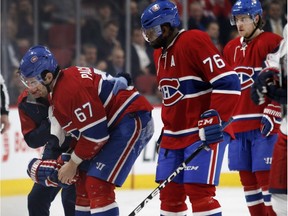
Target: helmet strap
pixel 257 26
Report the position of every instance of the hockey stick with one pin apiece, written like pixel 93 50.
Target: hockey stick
pixel 181 167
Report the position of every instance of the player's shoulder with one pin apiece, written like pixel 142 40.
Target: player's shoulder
pixel 195 34
pixel 193 38
pixel 270 36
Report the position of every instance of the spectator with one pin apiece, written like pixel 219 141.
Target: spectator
pixel 212 30
pixel 90 53
pixel 275 20
pixel 141 56
pixel 197 18
pixel 25 21
pixel 108 40
pixel 117 63
pixel 10 51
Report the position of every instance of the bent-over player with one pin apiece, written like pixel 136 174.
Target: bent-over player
pixel 111 128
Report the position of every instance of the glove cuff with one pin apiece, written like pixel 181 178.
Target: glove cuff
pixel 77 160
pixel 33 167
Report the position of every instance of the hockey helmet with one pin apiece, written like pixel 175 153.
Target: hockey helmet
pixel 156 14
pixel 36 60
pixel 246 7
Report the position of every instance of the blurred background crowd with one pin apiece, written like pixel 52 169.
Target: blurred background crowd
pixel 106 34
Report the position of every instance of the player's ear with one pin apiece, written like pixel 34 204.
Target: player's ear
pixel 48 78
pixel 165 30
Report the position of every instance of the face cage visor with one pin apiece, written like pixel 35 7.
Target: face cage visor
pixel 151 34
pixel 31 82
pixel 242 19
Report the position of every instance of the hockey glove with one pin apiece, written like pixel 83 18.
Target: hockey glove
pixel 267 77
pixel 45 172
pixel 271 120
pixel 210 128
pixel 121 81
pixel 126 76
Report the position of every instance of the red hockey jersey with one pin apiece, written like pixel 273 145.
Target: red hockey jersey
pixel 247 61
pixel 85 106
pixel 193 78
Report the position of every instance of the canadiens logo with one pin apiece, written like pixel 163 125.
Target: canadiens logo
pixel 246 75
pixel 155 8
pixel 34 59
pixel 170 91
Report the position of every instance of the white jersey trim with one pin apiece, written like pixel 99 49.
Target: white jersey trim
pixel 211 212
pixel 104 209
pixel 181 131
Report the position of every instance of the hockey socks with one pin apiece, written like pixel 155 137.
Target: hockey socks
pixel 257 197
pixel 95 197
pixel 201 196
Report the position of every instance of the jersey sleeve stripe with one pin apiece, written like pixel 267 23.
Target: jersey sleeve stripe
pixel 93 124
pixel 181 132
pixel 122 108
pixel 223 75
pixel 96 140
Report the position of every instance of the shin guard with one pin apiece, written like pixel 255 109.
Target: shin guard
pixel 202 198
pixel 102 197
pixel 263 181
pixel 253 193
pixel 172 199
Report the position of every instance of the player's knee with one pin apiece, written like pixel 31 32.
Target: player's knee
pixel 100 193
pixel 202 198
pixel 247 178
pixel 262 178
pixel 199 191
pixel 173 198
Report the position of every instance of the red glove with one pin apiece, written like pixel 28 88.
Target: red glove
pixel 271 120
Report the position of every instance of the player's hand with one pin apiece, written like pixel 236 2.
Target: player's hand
pixel 271 120
pixel 267 77
pixel 210 128
pixel 68 172
pixel 45 172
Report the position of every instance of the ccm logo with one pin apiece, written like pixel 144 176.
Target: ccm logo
pixel 203 122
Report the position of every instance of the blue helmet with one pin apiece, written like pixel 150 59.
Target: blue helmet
pixel 36 60
pixel 158 13
pixel 249 7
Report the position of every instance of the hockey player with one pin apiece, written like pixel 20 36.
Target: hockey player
pixel 111 128
pixel 272 82
pixel 255 127
pixel 36 129
pixel 199 94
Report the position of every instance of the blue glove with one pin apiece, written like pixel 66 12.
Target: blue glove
pixel 210 128
pixel 271 120
pixel 121 81
pixel 45 172
pixel 266 78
